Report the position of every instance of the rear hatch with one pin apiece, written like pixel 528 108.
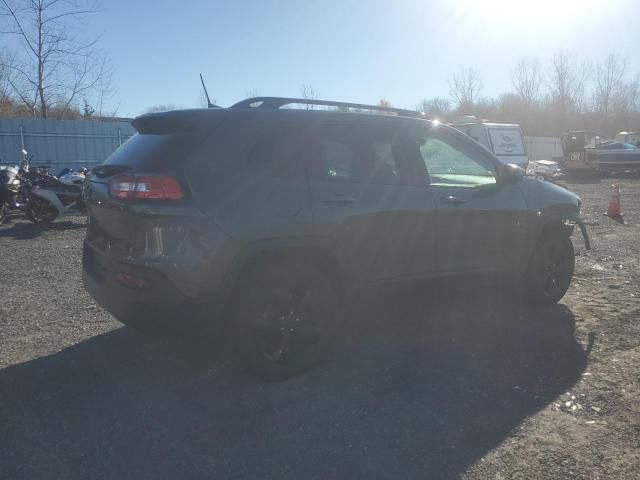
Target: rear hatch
pixel 138 202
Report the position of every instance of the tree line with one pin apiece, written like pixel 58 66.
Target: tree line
pixel 547 98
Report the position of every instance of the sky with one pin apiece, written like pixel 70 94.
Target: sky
pixel 347 50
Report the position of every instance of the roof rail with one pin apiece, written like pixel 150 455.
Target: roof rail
pixel 274 103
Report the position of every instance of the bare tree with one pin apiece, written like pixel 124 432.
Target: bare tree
pixel 437 108
pixel 566 81
pixel 627 97
pixel 609 79
pixel 526 78
pixel 308 93
pixel 626 105
pixel 4 78
pixel 465 87
pixel 56 69
pixel 162 108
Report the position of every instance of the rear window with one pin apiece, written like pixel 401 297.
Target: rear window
pixel 506 141
pixel 153 152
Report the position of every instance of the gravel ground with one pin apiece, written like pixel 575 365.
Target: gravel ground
pixel 467 386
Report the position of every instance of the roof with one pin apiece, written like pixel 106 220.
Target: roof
pixel 197 119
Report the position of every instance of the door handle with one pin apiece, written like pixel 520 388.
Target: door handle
pixel 451 200
pixel 337 200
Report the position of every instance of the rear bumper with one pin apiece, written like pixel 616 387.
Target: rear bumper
pixel 158 308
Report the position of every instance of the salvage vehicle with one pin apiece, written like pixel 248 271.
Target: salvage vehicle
pixel 612 156
pixel 505 140
pixel 628 137
pixel 587 153
pixel 257 221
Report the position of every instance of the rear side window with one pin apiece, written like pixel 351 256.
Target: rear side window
pixel 277 152
pixel 360 155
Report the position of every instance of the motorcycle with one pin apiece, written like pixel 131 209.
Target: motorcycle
pixel 51 197
pixel 14 187
pixel 9 188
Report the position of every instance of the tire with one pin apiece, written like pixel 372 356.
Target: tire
pixel 550 269
pixel 4 210
pixel 284 320
pixel 40 211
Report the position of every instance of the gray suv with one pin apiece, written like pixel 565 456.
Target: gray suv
pixel 256 221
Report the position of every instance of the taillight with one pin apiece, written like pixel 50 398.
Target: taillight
pixel 147 187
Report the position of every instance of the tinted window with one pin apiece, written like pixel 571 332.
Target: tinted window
pixel 360 155
pixel 153 152
pixel 278 152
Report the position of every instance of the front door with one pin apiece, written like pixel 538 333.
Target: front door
pixel 480 224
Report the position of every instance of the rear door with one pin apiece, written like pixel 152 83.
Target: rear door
pixel 369 201
pixel 481 226
pixel 250 178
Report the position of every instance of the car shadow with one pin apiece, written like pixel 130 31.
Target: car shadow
pixel 418 387
pixel 28 231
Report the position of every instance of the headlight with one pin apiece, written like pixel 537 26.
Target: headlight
pixel 16 181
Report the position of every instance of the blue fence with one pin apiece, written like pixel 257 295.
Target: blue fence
pixel 61 144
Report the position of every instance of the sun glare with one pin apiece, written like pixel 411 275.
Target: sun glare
pixel 514 13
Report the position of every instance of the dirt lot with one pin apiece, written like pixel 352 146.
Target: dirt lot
pixel 421 386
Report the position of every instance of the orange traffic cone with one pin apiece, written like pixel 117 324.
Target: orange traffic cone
pixel 615 210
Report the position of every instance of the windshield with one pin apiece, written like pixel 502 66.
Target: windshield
pixel 611 145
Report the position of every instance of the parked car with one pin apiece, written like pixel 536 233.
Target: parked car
pixel 629 137
pixel 261 220
pixel 585 152
pixel 505 140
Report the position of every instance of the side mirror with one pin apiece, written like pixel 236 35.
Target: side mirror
pixel 509 174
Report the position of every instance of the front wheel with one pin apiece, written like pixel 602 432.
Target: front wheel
pixel 284 320
pixel 550 270
pixel 39 210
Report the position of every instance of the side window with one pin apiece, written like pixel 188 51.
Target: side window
pixel 278 152
pixel 447 165
pixel 371 157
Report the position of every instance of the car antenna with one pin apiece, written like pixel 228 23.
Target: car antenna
pixel 206 94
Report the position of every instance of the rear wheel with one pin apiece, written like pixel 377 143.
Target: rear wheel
pixel 40 211
pixel 285 320
pixel 550 270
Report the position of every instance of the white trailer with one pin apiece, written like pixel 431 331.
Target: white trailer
pixel 505 140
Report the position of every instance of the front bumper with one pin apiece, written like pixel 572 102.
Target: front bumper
pixel 585 233
pixel 158 308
